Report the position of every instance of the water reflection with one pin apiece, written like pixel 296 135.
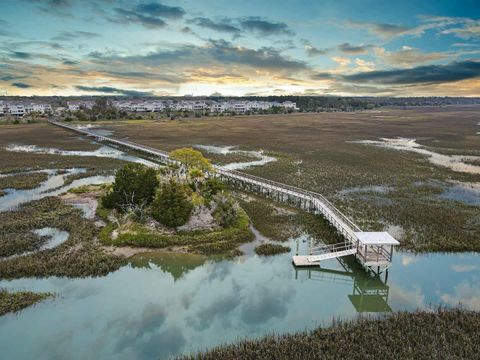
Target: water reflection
pixel 369 293
pixel 165 304
pixel 173 263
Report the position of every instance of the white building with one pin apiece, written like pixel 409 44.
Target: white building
pixel 15 109
pixel 289 105
pixel 38 108
pixel 79 105
pixel 199 106
pixel 194 105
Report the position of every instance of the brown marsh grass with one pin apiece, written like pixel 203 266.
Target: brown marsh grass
pixel 315 152
pixel 440 334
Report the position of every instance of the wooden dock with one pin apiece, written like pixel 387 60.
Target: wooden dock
pixel 372 249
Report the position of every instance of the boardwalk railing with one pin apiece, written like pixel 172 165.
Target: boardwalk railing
pixel 319 203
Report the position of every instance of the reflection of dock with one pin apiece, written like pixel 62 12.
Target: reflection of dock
pixel 369 293
pixel 374 250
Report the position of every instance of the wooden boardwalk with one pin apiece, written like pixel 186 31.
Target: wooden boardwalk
pixel 373 250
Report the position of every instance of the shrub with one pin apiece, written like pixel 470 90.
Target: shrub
pixel 211 187
pixel 134 186
pixel 226 212
pixel 171 205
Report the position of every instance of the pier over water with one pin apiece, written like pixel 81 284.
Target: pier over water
pixel 374 250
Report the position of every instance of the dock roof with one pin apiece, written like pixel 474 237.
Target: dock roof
pixel 376 238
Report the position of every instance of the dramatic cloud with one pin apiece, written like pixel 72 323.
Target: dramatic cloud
pixel 150 15
pixel 430 74
pixel 21 85
pixel 214 52
pixel 408 56
pixel 312 50
pixel 20 55
pixel 265 27
pixel 221 26
pixel 8 77
pixel 382 30
pixel 323 76
pixel 166 47
pixel 462 27
pixel 347 48
pixel 73 35
pixel 112 91
pixel 160 10
pixel 54 3
pixel 53 7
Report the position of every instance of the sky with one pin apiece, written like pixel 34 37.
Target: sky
pixel 240 47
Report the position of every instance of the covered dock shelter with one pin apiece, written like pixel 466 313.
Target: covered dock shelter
pixel 375 248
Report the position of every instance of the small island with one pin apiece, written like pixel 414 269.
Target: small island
pixel 181 207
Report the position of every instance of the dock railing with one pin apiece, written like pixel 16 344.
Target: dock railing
pixel 343 224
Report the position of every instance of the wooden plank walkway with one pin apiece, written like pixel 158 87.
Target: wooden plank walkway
pixel 308 200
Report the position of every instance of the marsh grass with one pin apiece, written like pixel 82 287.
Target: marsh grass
pixel 274 221
pixel 271 249
pixel 23 181
pixel 440 334
pixel 19 300
pixel 88 173
pixel 13 243
pixel 220 159
pixel 315 152
pixel 429 223
pixel 215 242
pixel 79 256
pixel 48 136
pixel 280 223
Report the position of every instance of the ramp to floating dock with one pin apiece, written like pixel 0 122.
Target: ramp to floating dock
pixel 314 260
pixel 332 255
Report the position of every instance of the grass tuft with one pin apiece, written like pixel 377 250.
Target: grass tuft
pixel 19 300
pixel 271 249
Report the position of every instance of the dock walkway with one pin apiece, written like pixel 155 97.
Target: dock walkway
pixel 372 249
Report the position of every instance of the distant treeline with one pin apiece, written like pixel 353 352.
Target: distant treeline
pixel 341 103
pixel 304 103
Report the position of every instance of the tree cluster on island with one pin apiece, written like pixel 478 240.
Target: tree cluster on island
pixel 173 193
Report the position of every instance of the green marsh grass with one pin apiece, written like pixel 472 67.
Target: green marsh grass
pixel 19 300
pixel 271 249
pixel 23 181
pixel 79 256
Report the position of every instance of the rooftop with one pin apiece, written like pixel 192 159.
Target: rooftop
pixel 376 238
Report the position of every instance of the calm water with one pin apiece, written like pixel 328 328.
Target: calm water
pixel 169 304
pixel 53 186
